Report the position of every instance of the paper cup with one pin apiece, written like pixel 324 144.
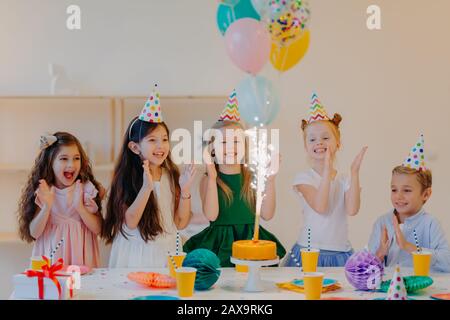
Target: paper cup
pixel 241 268
pixel 313 282
pixel 178 258
pixel 421 262
pixel 37 262
pixel 185 281
pixel 309 259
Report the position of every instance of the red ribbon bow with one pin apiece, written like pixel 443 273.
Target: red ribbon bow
pixel 48 271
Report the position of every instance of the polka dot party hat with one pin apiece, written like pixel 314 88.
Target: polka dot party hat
pixel 416 157
pixel 231 110
pixel 152 109
pixel 397 289
pixel 316 110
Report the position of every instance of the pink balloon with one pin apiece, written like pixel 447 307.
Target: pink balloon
pixel 248 44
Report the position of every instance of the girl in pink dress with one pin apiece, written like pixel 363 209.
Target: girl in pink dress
pixel 61 200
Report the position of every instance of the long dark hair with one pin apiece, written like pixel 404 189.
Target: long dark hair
pixel 43 169
pixel 127 181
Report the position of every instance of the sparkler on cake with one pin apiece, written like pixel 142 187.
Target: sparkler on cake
pixel 260 165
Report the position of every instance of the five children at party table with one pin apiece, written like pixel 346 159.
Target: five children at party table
pixel 149 200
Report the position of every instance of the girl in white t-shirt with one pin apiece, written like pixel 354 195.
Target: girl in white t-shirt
pixel 327 197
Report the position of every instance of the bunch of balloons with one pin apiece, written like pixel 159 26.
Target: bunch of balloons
pixel 258 31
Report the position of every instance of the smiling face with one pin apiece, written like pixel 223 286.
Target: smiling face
pixel 229 145
pixel 319 136
pixel 407 194
pixel 66 166
pixel 154 147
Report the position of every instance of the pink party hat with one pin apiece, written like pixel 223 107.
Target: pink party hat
pixel 316 110
pixel 152 109
pixel 416 157
pixel 397 289
pixel 231 110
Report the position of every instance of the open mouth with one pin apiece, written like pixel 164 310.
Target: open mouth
pixel 320 150
pixel 68 175
pixel 159 154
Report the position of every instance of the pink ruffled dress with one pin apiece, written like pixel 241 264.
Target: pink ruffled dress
pixel 80 246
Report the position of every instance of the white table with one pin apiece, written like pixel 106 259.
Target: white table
pixel 107 284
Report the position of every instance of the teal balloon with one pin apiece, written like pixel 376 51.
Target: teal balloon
pixel 227 14
pixel 259 102
pixel 207 264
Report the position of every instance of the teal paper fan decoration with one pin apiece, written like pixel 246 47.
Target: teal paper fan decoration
pixel 207 264
pixel 412 283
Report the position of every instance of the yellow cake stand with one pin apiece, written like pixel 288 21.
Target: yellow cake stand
pixel 254 283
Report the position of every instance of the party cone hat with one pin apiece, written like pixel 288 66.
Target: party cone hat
pixel 231 110
pixel 416 157
pixel 397 289
pixel 152 109
pixel 316 110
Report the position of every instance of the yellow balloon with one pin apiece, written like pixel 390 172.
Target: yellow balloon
pixel 285 57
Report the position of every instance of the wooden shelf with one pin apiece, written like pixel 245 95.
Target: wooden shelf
pixel 9 237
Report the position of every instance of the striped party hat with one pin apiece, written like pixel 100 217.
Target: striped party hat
pixel 231 110
pixel 416 157
pixel 316 110
pixel 152 109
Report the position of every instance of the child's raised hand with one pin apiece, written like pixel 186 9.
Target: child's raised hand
pixel 45 195
pixel 274 166
pixel 356 165
pixel 329 160
pixel 147 176
pixel 187 178
pixel 210 166
pixel 383 249
pixel 400 237
pixel 101 192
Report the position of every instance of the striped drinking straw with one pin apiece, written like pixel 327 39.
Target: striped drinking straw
pixel 173 261
pixel 417 241
pixel 56 249
pixel 309 239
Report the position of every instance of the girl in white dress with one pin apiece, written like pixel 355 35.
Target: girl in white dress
pixel 149 200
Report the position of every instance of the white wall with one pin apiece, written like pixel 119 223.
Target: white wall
pixel 389 85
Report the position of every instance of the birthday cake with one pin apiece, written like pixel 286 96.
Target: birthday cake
pixel 254 250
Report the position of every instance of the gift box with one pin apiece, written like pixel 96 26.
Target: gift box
pixel 46 284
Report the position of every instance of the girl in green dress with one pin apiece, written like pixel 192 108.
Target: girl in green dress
pixel 227 196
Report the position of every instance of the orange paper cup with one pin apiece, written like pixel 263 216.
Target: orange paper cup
pixel 421 262
pixel 178 258
pixel 37 262
pixel 185 281
pixel 241 268
pixel 309 259
pixel 313 285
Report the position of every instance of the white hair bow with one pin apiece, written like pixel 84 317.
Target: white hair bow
pixel 46 141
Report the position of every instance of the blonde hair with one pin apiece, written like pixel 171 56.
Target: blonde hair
pixel 334 124
pixel 247 193
pixel 424 177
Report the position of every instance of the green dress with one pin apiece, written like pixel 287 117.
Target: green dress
pixel 235 221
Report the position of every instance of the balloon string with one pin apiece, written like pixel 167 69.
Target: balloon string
pixel 283 63
pixel 257 96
